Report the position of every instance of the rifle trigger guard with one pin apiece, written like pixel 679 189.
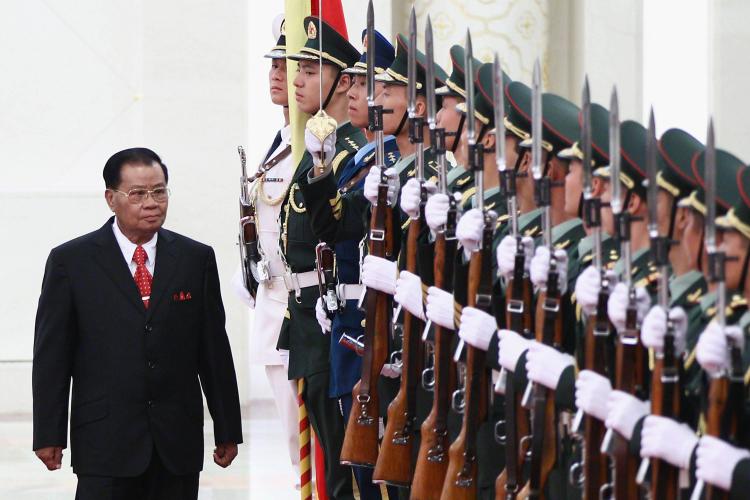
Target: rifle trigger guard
pixel 500 438
pixel 576 475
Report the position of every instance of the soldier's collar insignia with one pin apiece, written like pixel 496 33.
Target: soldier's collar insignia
pixel 312 31
pixel 461 182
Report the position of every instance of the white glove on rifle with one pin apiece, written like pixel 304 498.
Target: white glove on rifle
pixel 315 147
pixel 510 348
pixel 668 440
pixel 322 317
pixel 654 328
pixel 587 288
pixel 240 290
pixel 379 273
pixel 592 393
pixel 477 327
pixel 624 411
pixel 436 211
pixel 545 364
pixel 506 255
pixel 372 181
pixel 411 196
pixel 715 461
pixel 618 305
pixel 712 350
pixel 391 371
pixel 409 294
pixel 539 269
pixel 469 230
pixel 441 308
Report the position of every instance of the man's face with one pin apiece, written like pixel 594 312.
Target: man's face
pixel 357 96
pixel 138 219
pixel 307 85
pixel 393 97
pixel 448 118
pixel 573 187
pixel 558 171
pixel 277 82
pixel 692 239
pixel 608 220
pixel 736 246
pixel 511 154
pixel 462 151
pixel 664 202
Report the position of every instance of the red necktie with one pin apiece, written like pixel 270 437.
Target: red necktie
pixel 142 277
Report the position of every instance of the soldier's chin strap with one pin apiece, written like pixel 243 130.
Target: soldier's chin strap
pixel 519 158
pixel 401 124
pixel 743 279
pixel 700 253
pixel 457 134
pixel 333 89
pixel 672 217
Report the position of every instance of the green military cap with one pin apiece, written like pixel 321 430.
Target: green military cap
pixel 677 148
pixel 599 138
pixel 518 118
pixel 396 73
pixel 279 50
pixel 727 192
pixel 560 126
pixel 633 158
pixel 484 108
pixel 336 49
pixel 738 217
pixel 455 84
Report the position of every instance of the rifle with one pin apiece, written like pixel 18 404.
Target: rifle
pixel 360 445
pixel 325 264
pixel 548 321
pixel 432 459
pixel 248 234
pixel 517 313
pixel 629 354
pixel 665 378
pixel 461 478
pixel 394 465
pixel 726 390
pixel 591 472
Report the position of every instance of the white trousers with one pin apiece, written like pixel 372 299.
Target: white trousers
pixel 285 397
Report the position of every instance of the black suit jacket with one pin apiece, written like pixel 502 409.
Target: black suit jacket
pixel 136 373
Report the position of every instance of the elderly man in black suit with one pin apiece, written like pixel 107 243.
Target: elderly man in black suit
pixel 132 314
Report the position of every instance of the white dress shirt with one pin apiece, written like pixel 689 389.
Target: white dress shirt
pixel 128 249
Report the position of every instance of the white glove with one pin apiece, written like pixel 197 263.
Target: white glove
pixel 588 285
pixel 314 146
pixel 372 181
pixel 624 411
pixel 469 230
pixel 436 211
pixel 654 328
pixel 539 269
pixel 409 294
pixel 323 319
pixel 592 392
pixel 240 290
pixel 618 305
pixel 715 461
pixel 380 274
pixel 712 350
pixel 411 196
pixel 477 328
pixel 510 348
pixel 441 308
pixel 545 364
pixel 391 371
pixel 668 440
pixel 506 255
pixel 284 355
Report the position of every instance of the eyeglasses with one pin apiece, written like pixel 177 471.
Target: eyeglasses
pixel 136 196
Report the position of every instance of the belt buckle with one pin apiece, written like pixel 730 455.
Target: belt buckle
pixel 263 270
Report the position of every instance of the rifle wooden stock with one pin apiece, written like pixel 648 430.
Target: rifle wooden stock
pixel 665 402
pixel 432 460
pixel 629 362
pixel 718 397
pixel 360 445
pixel 394 465
pixel 461 478
pixel 595 466
pixel 519 319
pixel 544 436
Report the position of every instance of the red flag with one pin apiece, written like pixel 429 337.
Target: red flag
pixel 333 14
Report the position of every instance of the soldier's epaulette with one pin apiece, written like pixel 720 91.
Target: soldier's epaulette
pixel 461 181
pixel 339 158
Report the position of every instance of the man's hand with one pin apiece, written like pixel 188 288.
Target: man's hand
pixel 224 454
pixel 51 456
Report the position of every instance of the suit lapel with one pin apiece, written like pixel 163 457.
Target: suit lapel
pixel 109 257
pixel 167 260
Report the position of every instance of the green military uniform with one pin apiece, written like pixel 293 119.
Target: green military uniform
pixel 300 334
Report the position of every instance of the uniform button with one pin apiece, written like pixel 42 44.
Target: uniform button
pixel 148 328
pixel 151 364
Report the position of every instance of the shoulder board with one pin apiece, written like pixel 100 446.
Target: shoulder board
pixel 339 159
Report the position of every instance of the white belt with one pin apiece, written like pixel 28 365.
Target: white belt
pixel 295 282
pixel 349 291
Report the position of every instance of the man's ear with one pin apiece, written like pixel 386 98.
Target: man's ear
pixel 525 166
pixel 109 197
pixel 636 204
pixel 488 141
pixel 345 82
pixel 421 106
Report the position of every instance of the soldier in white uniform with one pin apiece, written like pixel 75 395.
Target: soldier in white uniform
pixel 269 299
